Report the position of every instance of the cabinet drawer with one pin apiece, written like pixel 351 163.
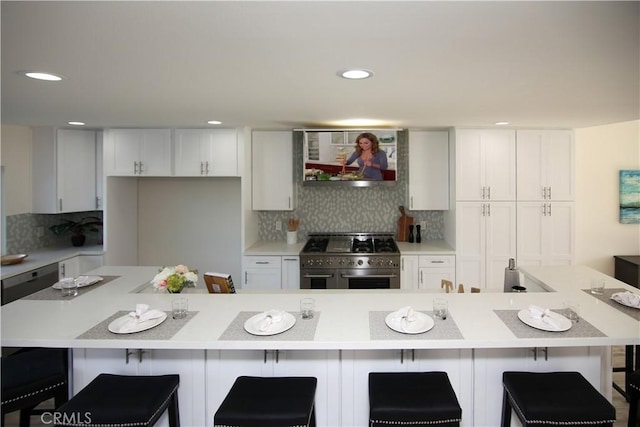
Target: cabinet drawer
pixel 437 261
pixel 262 262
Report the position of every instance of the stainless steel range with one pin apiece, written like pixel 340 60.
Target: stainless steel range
pixel 350 261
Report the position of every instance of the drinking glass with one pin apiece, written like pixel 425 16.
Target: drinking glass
pixel 440 308
pixel 69 287
pixel 597 286
pixel 179 308
pixel 307 307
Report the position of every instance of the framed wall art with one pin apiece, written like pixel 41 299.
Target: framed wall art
pixel 630 196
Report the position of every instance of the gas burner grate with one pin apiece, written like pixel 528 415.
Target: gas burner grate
pixel 362 246
pixel 316 245
pixel 385 245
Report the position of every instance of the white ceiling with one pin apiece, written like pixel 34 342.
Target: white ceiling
pixel 271 65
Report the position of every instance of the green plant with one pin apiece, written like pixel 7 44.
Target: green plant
pixel 77 228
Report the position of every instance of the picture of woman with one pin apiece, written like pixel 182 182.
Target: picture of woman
pixel 370 158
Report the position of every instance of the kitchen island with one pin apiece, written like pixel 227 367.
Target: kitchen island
pixel 347 339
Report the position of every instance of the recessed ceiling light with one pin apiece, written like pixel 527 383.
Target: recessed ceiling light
pixel 502 123
pixel 359 122
pixel 76 123
pixel 214 122
pixel 39 75
pixel 355 74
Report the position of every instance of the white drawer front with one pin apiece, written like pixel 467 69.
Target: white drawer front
pixel 435 261
pixel 262 261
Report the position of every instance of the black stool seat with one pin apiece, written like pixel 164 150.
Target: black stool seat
pixel 268 402
pixel 32 376
pixel 121 400
pixel 634 398
pixel 554 398
pixel 412 398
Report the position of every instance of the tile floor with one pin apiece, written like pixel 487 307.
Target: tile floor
pixel 621 405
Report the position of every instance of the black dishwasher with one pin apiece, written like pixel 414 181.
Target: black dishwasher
pixel 24 284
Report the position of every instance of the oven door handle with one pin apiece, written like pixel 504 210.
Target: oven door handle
pixel 369 276
pixel 317 276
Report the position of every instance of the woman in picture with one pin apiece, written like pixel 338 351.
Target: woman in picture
pixel 370 158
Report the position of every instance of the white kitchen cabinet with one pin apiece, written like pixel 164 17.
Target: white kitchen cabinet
pixel 262 273
pixel 545 233
pixel 223 367
pixel 64 170
pixel 489 364
pixel 290 272
pixel 206 152
pixel 357 364
pixel 137 152
pixel 434 268
pixel 69 267
pixel 428 187
pixel 545 165
pixel 485 165
pixel 189 364
pixel 485 240
pixel 273 187
pixel 409 274
pixel 89 262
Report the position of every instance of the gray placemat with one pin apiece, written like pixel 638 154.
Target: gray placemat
pixel 164 331
pixel 606 298
pixel 50 294
pixel 442 330
pixel 303 330
pixel 580 329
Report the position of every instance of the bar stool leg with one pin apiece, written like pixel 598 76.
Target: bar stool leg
pixel 506 410
pixel 174 411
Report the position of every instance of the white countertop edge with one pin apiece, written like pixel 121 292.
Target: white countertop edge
pixel 49 255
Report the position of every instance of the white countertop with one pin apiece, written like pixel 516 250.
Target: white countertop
pixel 45 256
pixel 343 320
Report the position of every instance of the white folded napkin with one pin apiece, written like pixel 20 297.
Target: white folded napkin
pixel 270 317
pixel 543 314
pixel 403 316
pixel 142 314
pixel 627 298
pixel 88 280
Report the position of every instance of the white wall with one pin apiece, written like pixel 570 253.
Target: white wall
pixel 601 152
pixel 15 149
pixel 191 221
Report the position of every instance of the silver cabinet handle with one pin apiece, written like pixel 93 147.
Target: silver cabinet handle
pixel 319 276
pixel 141 168
pixel 375 276
pixel 549 192
pixel 135 168
pixel 60 205
pixel 489 193
pixel 421 281
pixel 411 202
pixel 483 209
pixel 207 167
pixel 201 168
pixel 544 209
pixel 544 193
pixel 484 189
pixel 549 209
pixel 488 209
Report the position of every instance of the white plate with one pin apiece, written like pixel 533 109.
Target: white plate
pixel 142 326
pixel 421 324
pixel 563 323
pixel 82 281
pixel 253 324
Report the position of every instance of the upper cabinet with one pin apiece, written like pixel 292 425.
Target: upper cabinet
pixel 206 152
pixel 428 170
pixel 137 152
pixel 545 165
pixel 485 164
pixel 64 170
pixel 273 188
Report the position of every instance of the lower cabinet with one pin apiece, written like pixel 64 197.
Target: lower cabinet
pixel 489 364
pixel 271 272
pixel 223 367
pixel 189 364
pixel 426 271
pixel 356 365
pixel 78 265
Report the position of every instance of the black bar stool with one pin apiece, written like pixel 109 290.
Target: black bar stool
pixel 634 398
pixel 32 376
pixel 269 402
pixel 122 400
pixel 554 398
pixel 412 398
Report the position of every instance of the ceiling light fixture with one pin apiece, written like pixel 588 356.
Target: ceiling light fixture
pixel 76 123
pixel 214 122
pixel 355 74
pixel 502 123
pixel 359 122
pixel 39 75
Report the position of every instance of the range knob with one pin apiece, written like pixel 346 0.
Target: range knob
pixel 370 262
pixel 359 262
pixel 341 261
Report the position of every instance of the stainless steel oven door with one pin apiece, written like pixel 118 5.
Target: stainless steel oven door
pixel 321 278
pixel 369 278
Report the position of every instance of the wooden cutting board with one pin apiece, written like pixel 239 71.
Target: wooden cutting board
pixel 403 225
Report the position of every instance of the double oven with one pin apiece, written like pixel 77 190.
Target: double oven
pixel 350 261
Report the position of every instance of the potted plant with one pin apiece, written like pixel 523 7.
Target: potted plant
pixel 77 228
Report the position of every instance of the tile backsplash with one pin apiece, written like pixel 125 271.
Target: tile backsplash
pixel 350 209
pixel 22 231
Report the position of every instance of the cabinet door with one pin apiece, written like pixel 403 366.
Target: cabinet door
pixel 272 171
pixel 69 268
pixel 431 278
pixel 191 151
pixel 122 151
pixel 470 243
pixel 499 163
pixel 155 152
pixel 469 169
pixel 531 232
pixel 290 272
pixel 560 165
pixel 262 273
pixel 560 234
pixel 223 153
pixel 409 272
pixel 545 233
pixel 89 262
pixel 501 241
pixel 76 164
pixel 428 170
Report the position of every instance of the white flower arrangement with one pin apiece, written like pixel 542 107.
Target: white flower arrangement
pixel 174 279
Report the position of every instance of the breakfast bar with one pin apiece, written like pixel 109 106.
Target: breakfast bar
pixel 347 338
